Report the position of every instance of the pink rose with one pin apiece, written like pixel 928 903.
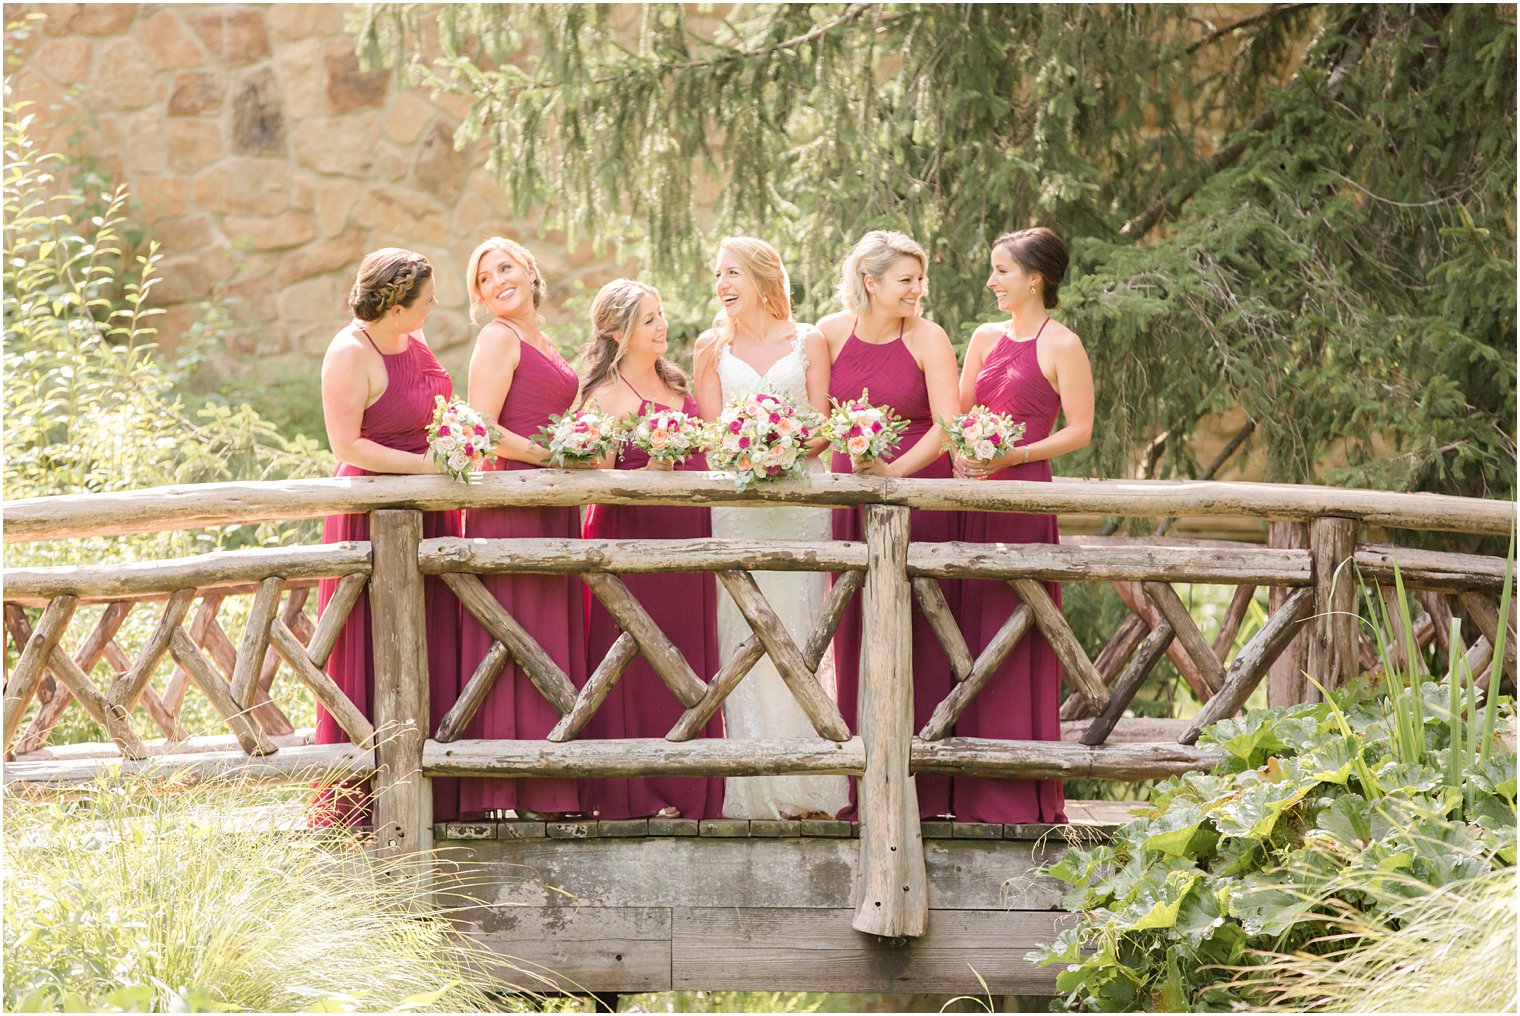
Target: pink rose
pixel 443 430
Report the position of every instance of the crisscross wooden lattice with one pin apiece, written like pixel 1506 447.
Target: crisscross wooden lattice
pixel 641 636
pixel 236 678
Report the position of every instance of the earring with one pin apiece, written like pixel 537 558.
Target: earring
pixel 1031 290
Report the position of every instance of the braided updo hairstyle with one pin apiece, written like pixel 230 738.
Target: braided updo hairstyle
pixel 389 277
pixel 1039 252
pixel 614 315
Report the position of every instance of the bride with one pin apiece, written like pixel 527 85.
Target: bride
pixel 754 345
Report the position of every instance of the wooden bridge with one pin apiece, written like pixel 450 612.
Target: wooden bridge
pixel 885 904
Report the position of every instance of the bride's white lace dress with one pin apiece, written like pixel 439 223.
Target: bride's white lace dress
pixel 761 706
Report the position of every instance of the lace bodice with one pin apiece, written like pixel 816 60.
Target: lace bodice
pixel 787 377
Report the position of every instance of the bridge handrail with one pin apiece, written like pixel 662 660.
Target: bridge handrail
pixel 399 747
pixel 221 504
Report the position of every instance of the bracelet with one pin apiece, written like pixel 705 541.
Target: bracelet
pixel 1026 455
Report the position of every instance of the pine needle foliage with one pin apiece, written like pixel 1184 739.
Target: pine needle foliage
pixel 1304 211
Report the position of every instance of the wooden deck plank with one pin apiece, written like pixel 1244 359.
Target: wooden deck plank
pixel 817 950
pixel 806 873
pixel 578 949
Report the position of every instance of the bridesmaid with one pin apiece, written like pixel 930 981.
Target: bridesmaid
pixel 1031 368
pixel 518 378
pixel 626 374
pixel 379 379
pixel 881 344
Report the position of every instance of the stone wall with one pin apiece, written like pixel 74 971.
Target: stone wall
pixel 266 163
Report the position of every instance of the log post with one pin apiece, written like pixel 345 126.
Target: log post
pixel 403 796
pixel 1285 680
pixel 892 898
pixel 1332 639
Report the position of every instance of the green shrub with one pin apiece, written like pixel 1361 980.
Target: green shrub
pixel 1450 950
pixel 1360 805
pixel 146 899
pixel 90 403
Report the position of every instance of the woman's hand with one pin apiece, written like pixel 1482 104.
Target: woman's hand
pixel 981 469
pixel 871 467
pixel 659 465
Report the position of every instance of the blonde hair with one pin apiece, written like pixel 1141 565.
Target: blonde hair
pixel 762 263
pixel 387 278
pixel 514 250
pixel 873 255
pixel 614 313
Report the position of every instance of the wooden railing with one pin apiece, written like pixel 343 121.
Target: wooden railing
pixel 1314 613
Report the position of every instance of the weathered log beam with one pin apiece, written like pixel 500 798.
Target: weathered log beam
pixel 87 656
pixel 220 504
pixel 311 763
pixel 158 746
pixel 821 710
pixel 203 572
pixel 948 711
pixel 1251 664
pixel 645 756
pixel 1073 561
pixel 1063 640
pixel 203 672
pixel 22 683
pixel 628 557
pixel 1430 569
pixel 891 894
pixel 1124 689
pixel 1058 760
pixel 1175 612
pixel 1483 613
pixel 947 629
pixel 326 691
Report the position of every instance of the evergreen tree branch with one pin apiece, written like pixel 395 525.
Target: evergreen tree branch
pixel 1226 155
pixel 1277 10
pixel 850 14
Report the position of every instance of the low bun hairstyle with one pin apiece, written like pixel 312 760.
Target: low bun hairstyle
pixel 873 255
pixel 1039 252
pixel 517 252
pixel 614 314
pixel 389 277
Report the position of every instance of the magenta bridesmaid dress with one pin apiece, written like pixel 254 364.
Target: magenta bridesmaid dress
pixel 549 607
pixel 399 419
pixel 685 608
pixel 894 379
pixel 1022 701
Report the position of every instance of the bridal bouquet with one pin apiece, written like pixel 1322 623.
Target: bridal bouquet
pixel 580 436
pixel 761 437
pixel 459 438
pixel 981 434
pixel 669 435
pixel 861 430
